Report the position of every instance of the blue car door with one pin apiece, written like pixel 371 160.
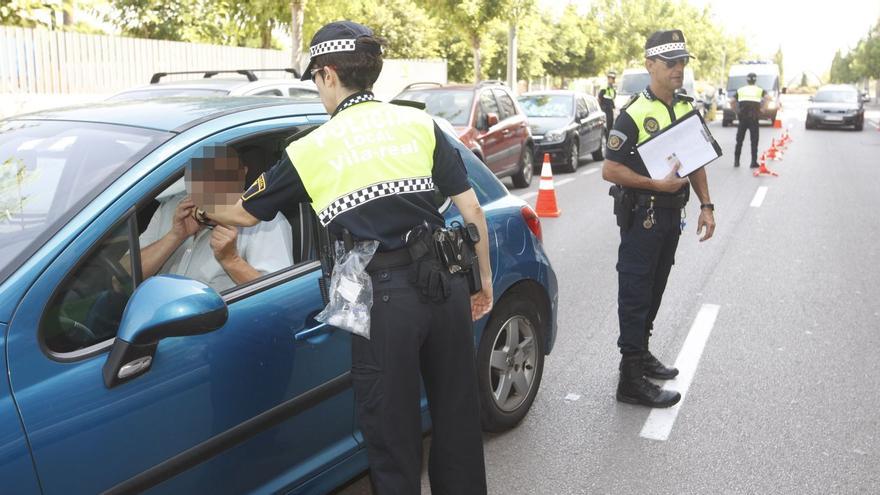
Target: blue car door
pixel 261 405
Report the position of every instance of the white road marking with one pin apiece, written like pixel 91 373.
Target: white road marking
pixel 529 195
pixel 591 171
pixel 563 182
pixel 759 197
pixel 660 421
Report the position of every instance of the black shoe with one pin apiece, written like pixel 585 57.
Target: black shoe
pixel 634 388
pixel 754 165
pixel 736 162
pixel 654 368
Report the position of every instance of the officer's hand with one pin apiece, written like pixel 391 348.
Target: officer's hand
pixel 672 183
pixel 707 221
pixel 481 302
pixel 223 243
pixel 184 225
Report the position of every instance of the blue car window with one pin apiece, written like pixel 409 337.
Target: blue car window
pixel 87 307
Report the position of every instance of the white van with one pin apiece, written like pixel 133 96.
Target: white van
pixel 768 79
pixel 633 81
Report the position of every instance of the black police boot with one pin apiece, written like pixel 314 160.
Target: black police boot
pixel 634 388
pixel 736 161
pixel 754 165
pixel 653 367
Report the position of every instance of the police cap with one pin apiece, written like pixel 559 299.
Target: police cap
pixel 668 45
pixel 751 77
pixel 611 73
pixel 339 36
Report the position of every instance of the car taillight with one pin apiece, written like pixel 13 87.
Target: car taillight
pixel 533 222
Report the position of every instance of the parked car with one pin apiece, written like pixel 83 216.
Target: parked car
pixel 837 105
pixel 187 390
pixel 568 125
pixel 487 120
pixel 251 85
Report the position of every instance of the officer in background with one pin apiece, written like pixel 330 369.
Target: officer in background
pixel 748 103
pixel 370 173
pixel 651 216
pixel 606 101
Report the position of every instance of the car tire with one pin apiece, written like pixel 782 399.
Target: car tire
pixel 573 158
pixel 808 125
pixel 510 358
pixel 726 123
pixel 599 154
pixel 523 177
pixel 860 124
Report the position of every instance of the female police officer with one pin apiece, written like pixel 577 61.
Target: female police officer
pixel 649 236
pixel 369 173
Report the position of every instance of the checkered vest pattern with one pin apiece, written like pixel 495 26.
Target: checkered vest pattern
pixel 366 152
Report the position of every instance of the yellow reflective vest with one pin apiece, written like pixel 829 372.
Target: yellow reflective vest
pixel 750 92
pixel 651 115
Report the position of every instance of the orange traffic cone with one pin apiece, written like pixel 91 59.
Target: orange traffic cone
pixel 546 206
pixel 771 152
pixel 777 124
pixel 780 149
pixel 762 168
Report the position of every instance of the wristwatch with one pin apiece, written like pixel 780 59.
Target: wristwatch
pixel 710 206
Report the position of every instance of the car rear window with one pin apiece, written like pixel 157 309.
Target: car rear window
pixel 50 170
pixel 452 105
pixel 547 105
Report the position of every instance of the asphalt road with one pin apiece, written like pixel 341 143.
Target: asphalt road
pixel 784 398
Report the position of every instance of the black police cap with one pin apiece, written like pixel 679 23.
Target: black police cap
pixel 668 45
pixel 339 36
pixel 751 76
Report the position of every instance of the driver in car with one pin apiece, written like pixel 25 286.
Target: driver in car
pixel 177 240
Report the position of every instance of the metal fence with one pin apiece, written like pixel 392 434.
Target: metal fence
pixel 35 61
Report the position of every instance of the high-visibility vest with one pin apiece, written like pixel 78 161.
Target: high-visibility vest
pixel 651 115
pixel 610 92
pixel 750 92
pixel 366 152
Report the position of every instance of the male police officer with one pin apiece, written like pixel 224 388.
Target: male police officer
pixel 650 213
pixel 748 103
pixel 370 173
pixel 606 101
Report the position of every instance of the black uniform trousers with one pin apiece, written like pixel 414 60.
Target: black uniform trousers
pixel 609 121
pixel 409 337
pixel 644 260
pixel 750 124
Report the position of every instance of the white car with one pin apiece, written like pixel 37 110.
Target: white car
pixel 209 86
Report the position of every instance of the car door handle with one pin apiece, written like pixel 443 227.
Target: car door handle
pixel 313 332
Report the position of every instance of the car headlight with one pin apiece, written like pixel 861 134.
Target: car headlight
pixel 813 111
pixel 557 136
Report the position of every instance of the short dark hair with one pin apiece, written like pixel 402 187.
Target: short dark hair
pixel 357 70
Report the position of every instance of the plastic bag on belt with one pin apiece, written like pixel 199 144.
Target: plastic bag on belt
pixel 351 290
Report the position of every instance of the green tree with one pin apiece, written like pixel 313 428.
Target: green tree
pixel 777 59
pixel 866 60
pixel 842 68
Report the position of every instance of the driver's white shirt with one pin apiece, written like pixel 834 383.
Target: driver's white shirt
pixel 265 246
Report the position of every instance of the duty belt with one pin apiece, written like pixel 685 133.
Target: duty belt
pixel 661 200
pixel 418 249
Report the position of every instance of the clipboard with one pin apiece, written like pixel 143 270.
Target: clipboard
pixel 687 140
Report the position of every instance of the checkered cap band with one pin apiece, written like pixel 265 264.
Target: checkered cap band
pixel 333 46
pixel 661 49
pixel 370 193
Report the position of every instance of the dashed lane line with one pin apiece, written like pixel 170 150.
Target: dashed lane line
pixel 759 197
pixel 659 424
pixel 591 171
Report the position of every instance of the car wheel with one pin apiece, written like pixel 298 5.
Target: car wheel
pixel 571 164
pixel 808 125
pixel 860 124
pixel 599 154
pixel 510 363
pixel 725 123
pixel 523 177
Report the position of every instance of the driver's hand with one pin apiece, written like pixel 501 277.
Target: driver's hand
pixel 223 243
pixel 184 224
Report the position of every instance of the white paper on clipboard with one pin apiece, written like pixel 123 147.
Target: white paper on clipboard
pixel 688 141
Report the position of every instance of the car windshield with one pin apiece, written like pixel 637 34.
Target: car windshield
pixel 452 105
pixel 631 84
pixel 166 93
pixel 547 105
pixel 765 81
pixel 836 96
pixel 50 170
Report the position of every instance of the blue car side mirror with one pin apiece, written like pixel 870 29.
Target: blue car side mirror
pixel 163 306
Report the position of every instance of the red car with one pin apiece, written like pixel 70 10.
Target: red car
pixel 488 121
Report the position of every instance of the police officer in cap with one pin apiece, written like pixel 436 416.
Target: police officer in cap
pixel 650 215
pixel 370 174
pixel 748 103
pixel 606 101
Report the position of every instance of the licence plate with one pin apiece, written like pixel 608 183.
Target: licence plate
pixel 834 118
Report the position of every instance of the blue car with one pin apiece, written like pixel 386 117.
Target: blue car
pixel 120 383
